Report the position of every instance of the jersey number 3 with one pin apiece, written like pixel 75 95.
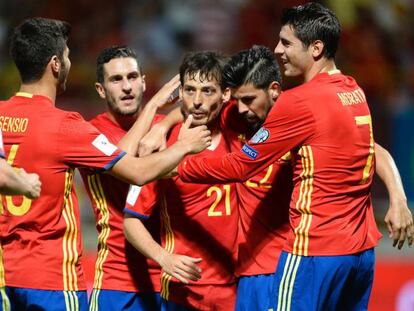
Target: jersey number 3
pixel 24 206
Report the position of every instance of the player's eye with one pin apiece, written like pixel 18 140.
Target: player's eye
pixel 115 79
pixel 209 91
pixel 247 100
pixel 133 76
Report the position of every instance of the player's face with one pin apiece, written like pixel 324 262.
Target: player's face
pixel 203 99
pixel 253 103
pixel 294 58
pixel 123 86
pixel 64 71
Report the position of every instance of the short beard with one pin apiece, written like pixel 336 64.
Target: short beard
pixel 256 126
pixel 63 75
pixel 119 112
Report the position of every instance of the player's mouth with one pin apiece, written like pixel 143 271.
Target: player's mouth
pixel 284 61
pixel 198 114
pixel 127 98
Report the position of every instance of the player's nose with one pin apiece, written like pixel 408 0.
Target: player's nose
pixel 242 107
pixel 278 49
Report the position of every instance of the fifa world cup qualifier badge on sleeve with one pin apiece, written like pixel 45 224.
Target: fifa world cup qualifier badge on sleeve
pixel 261 136
pixel 102 143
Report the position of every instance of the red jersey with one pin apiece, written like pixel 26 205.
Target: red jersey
pixel 326 124
pixel 41 239
pixel 119 266
pixel 198 220
pixel 263 204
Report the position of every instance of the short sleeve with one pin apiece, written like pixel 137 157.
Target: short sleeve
pixel 81 144
pixel 141 201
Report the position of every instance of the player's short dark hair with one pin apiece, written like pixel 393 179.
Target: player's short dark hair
pixel 33 44
pixel 209 64
pixel 115 51
pixel 312 21
pixel 256 65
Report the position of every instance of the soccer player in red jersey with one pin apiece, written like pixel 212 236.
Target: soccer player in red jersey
pixel 199 222
pixel 254 79
pixel 41 239
pixel 327 263
pixel 124 278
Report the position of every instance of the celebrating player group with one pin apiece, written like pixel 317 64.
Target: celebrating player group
pixel 244 197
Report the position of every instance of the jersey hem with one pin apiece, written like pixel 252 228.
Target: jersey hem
pixel 135 214
pixel 113 162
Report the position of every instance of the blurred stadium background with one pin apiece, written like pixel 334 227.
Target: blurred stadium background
pixel 377 48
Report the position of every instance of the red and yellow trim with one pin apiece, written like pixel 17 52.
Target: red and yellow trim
pixel 24 94
pixel 99 200
pixel 169 246
pixel 2 280
pixel 303 204
pixel 70 238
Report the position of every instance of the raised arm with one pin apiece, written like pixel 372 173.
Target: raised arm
pixel 129 143
pixel 139 171
pixel 156 138
pixel 399 219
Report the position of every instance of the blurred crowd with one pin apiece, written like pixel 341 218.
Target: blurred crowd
pixel 377 48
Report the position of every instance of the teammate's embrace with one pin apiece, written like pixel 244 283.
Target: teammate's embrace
pixel 41 239
pixel 330 136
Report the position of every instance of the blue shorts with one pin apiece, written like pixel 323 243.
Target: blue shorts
pixel 108 300
pixel 167 305
pixel 255 292
pixel 37 299
pixel 324 282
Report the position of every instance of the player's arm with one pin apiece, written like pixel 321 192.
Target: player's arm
pixel 14 182
pixel 183 268
pixel 287 126
pixel 399 219
pixel 156 138
pixel 139 171
pixel 129 143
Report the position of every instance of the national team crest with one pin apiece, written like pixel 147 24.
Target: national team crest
pixel 261 136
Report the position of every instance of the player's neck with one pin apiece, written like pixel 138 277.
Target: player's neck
pixel 215 135
pixel 320 66
pixel 124 122
pixel 40 88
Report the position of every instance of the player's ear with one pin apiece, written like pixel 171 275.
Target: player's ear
pixel 55 65
pixel 100 89
pixel 180 92
pixel 317 49
pixel 226 95
pixel 274 90
pixel 144 85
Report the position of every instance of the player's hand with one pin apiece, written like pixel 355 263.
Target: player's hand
pixel 196 139
pixel 399 222
pixel 183 268
pixel 154 140
pixel 164 98
pixel 34 184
